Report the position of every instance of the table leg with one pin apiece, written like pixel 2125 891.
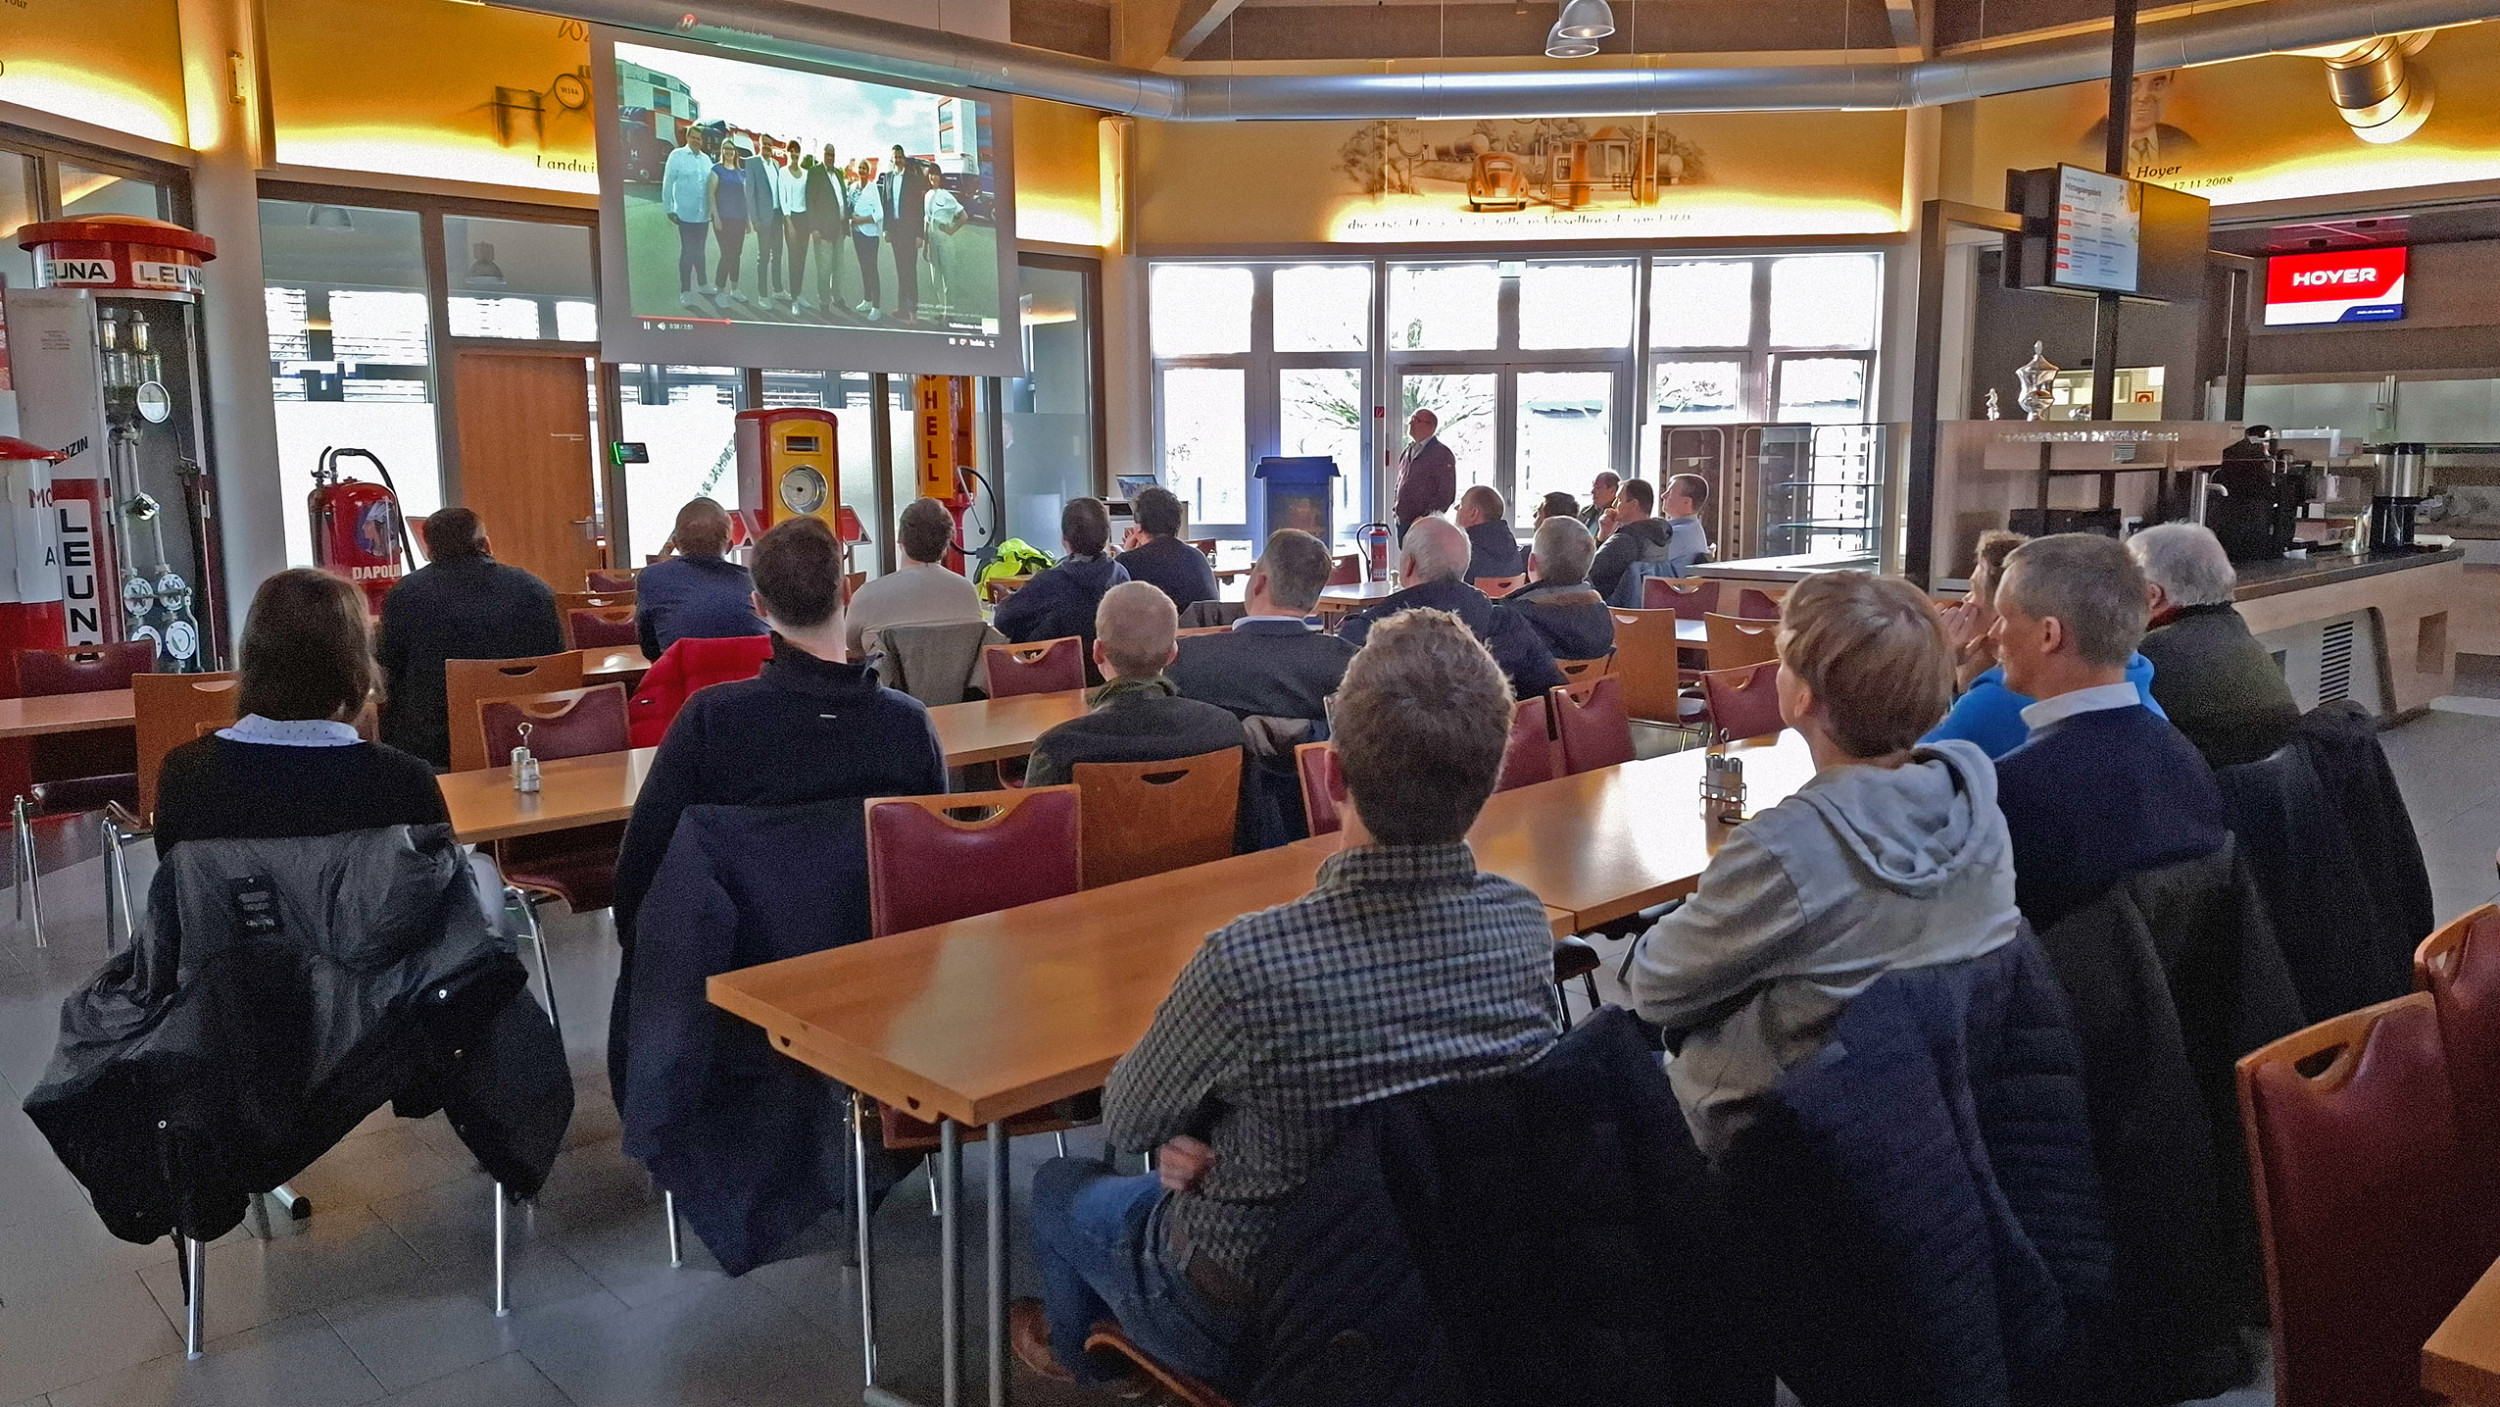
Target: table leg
pixel 950 1261
pixel 867 1254
pixel 997 1296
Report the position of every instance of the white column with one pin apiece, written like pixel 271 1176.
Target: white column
pixel 222 90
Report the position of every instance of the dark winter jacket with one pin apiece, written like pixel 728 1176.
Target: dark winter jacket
pixel 1133 720
pixel 1264 669
pixel 2220 685
pixel 1919 1201
pixel 1544 1237
pixel 1493 550
pixel 1515 646
pixel 1175 568
pixel 1570 617
pixel 2098 796
pixel 473 608
pixel 1644 541
pixel 693 598
pixel 2172 976
pixel 751 1141
pixel 1059 602
pixel 281 991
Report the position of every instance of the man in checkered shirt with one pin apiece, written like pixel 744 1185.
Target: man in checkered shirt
pixel 1405 967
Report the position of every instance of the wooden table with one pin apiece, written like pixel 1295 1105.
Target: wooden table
pixel 589 791
pixel 624 664
pixel 1356 596
pixel 66 713
pixel 2462 1360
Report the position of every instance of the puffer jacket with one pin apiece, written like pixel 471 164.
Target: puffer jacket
pixel 685 667
pixel 281 991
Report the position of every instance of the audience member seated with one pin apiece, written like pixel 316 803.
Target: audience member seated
pixel 1635 537
pixel 2210 675
pixel 1894 855
pixel 1429 563
pixel 462 605
pixel 1558 603
pixel 699 593
pixel 1137 715
pixel 1988 713
pixel 1154 552
pixel 809 728
pixel 292 764
pixel 1688 541
pixel 1061 601
pixel 1558 502
pixel 1492 549
pixel 921 591
pixel 1287 1021
pixel 1602 493
pixel 2103 789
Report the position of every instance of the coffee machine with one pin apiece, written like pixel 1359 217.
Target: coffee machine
pixel 2253 498
pixel 2403 482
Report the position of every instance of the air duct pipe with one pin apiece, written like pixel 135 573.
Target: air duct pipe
pixel 789 29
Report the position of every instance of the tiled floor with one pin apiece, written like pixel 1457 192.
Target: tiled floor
pixel 381 1297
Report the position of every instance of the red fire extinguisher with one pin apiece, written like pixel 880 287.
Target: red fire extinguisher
pixel 1375 539
pixel 357 528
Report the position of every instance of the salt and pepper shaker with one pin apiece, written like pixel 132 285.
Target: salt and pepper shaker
pixel 524 764
pixel 1723 787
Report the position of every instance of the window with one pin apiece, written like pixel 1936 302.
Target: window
pixel 1048 414
pixel 87 192
pixel 1701 303
pixel 523 279
pixel 1575 305
pixel 1323 308
pixel 1205 441
pixel 1445 308
pixel 1729 340
pixel 351 361
pixel 1825 300
pixel 686 417
pixel 1198 310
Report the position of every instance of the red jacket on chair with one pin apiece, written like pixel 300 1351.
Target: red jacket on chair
pixel 685 667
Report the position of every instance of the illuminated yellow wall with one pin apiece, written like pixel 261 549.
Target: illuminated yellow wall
pixel 62 57
pixel 1724 176
pixel 2258 129
pixel 1058 173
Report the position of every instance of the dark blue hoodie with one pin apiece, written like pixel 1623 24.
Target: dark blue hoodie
pixel 1515 645
pixel 1059 602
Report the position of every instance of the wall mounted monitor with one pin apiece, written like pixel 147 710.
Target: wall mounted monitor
pixel 883 240
pixel 2339 286
pixel 2089 233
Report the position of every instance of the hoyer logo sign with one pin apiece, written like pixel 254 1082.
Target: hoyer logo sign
pixel 2344 285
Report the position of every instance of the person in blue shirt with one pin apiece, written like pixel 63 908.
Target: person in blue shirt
pixel 1688 541
pixel 1989 712
pixel 699 593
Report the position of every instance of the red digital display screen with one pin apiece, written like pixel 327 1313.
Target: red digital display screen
pixel 2340 286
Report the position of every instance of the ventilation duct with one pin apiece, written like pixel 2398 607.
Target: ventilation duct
pixel 790 29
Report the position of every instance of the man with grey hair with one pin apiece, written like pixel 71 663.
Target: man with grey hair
pixel 1432 563
pixel 1275 662
pixel 2217 683
pixel 1558 603
pixel 1137 715
pixel 921 591
pixel 2103 789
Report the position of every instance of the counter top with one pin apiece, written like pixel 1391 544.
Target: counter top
pixel 1794 568
pixel 2259 579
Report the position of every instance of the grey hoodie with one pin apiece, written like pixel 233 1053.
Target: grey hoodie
pixel 1863 870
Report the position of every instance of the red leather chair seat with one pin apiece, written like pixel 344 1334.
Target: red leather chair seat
pixel 1744 703
pixel 1530 756
pixel 1592 727
pixel 577 866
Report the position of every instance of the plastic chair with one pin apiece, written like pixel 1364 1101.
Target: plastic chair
pixel 567 602
pixel 1323 787
pixel 1646 662
pixel 1756 605
pixel 577 866
pixel 467 681
pixel 927 864
pixel 1499 585
pixel 1143 818
pixel 70 774
pixel 2357 1165
pixel 1744 703
pixel 563 722
pixel 606 629
pixel 1736 642
pixel 612 581
pixel 2460 967
pixel 1591 728
pixel 1578 671
pixel 1347 572
pixel 1041 667
pixel 1529 756
pixel 1690 598
pixel 169 710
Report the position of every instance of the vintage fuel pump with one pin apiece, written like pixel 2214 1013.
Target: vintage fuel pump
pixel 942 416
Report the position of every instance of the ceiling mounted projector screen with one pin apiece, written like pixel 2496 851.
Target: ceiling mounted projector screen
pixel 758 214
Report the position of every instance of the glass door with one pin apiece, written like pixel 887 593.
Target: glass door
pixel 1469 407
pixel 1565 434
pixel 1319 411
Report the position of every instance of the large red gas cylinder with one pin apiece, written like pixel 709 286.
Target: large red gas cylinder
pixel 357 532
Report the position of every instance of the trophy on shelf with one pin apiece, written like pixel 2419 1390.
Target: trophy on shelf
pixel 1995 410
pixel 2035 378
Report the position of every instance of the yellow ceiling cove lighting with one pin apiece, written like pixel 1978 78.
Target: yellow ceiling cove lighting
pixel 90 97
pixel 1688 214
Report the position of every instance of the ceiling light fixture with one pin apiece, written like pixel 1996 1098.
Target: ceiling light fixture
pixel 1585 19
pixel 1562 46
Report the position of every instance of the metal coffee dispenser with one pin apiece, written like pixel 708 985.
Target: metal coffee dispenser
pixel 2404 477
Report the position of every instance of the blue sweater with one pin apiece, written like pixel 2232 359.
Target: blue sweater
pixel 2100 796
pixel 1059 602
pixel 1179 570
pixel 1991 715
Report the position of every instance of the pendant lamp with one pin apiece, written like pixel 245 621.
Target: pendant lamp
pixel 1585 19
pixel 1561 46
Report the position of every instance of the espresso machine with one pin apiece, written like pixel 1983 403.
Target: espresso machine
pixel 2403 482
pixel 2254 497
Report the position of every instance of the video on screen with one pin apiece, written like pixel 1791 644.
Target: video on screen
pixel 771 216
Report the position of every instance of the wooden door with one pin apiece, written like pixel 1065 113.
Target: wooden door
pixel 526 460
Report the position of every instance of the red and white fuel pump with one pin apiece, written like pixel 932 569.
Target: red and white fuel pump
pixel 358 529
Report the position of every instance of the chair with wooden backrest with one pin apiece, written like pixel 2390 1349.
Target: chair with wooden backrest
pixel 1645 660
pixel 1347 572
pixel 1735 642
pixel 2460 967
pixel 1143 818
pixel 612 581
pixel 1744 703
pixel 1756 605
pixel 1581 671
pixel 567 602
pixel 576 867
pixel 2370 1211
pixel 1041 667
pixel 1690 598
pixel 467 681
pixel 1323 787
pixel 608 628
pixel 1498 586
pixel 70 774
pixel 1529 756
pixel 1591 729
pixel 168 710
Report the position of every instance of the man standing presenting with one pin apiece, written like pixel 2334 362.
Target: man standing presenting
pixel 907 209
pixel 1427 472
